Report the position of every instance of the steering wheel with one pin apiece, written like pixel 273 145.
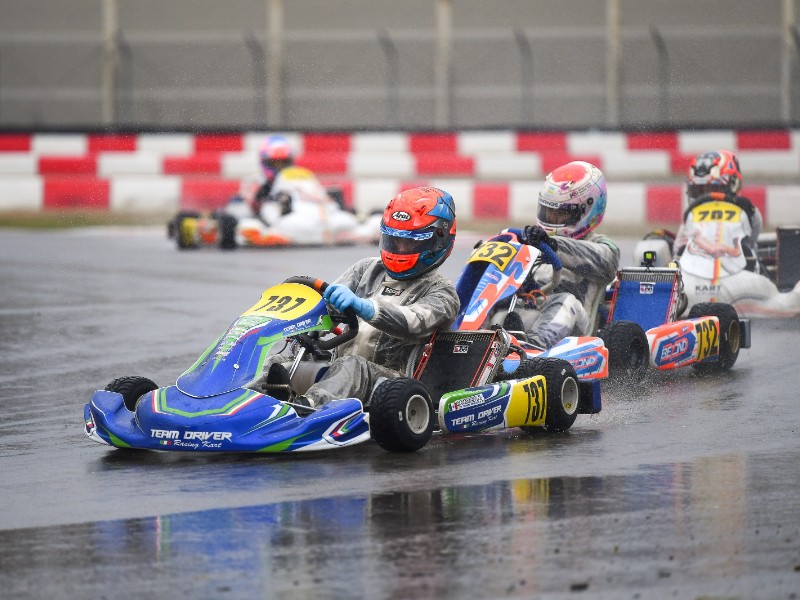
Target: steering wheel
pixel 348 317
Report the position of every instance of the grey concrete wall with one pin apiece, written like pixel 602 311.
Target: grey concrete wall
pixel 186 64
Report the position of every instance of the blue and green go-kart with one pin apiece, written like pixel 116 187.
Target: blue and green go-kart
pixel 223 403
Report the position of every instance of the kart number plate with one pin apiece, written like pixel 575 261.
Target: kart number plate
pixel 286 301
pixel 497 253
pixel 717 211
pixel 707 339
pixel 528 404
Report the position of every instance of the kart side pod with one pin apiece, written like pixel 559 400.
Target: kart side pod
pixel 463 371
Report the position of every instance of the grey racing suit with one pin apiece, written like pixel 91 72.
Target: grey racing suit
pixel 407 313
pixel 589 265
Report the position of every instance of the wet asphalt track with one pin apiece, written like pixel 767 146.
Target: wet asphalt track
pixel 684 487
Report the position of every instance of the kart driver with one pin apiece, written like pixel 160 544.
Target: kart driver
pixel 275 153
pixel 400 297
pixel 715 176
pixel 572 202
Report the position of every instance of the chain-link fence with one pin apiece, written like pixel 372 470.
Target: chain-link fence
pixel 425 64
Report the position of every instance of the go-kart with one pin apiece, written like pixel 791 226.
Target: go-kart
pixel 225 402
pixel 300 211
pixel 636 328
pixel 717 267
pixel 645 303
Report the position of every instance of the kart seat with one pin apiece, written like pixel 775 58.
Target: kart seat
pixel 452 360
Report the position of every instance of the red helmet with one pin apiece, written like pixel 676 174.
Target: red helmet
pixel 275 153
pixel 418 231
pixel 716 171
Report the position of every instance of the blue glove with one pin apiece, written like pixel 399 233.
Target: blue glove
pixel 342 297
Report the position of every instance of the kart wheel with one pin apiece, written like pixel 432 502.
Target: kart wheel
pixel 132 388
pixel 563 391
pixel 227 232
pixel 184 234
pixel 401 415
pixel 628 350
pixel 730 335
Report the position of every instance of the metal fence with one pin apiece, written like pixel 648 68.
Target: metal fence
pixel 603 71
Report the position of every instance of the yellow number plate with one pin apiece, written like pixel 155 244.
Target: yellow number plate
pixel 286 301
pixel 528 404
pixel 717 211
pixel 707 338
pixel 497 253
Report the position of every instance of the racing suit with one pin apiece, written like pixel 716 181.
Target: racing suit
pixel 407 313
pixel 589 265
pixel 749 243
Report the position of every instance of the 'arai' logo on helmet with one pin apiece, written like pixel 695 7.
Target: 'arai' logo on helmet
pixel 400 215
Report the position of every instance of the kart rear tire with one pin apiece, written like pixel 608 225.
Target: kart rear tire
pixel 628 349
pixel 563 391
pixel 132 388
pixel 401 415
pixel 227 232
pixel 730 335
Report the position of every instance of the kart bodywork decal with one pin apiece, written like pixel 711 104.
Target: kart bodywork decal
pixel 682 343
pixel 494 285
pixel 514 403
pixel 159 403
pixel 587 354
pixel 286 301
pixel 496 253
pixel 474 409
pixel 280 411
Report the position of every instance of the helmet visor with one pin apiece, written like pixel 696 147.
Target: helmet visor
pixel 695 190
pixel 276 163
pixel 401 241
pixel 568 214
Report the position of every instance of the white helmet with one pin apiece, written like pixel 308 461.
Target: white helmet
pixel 572 200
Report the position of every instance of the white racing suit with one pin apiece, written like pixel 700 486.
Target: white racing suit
pixel 407 313
pixel 713 247
pixel 589 265
pixel 749 243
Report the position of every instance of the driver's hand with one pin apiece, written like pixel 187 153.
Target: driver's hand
pixel 533 235
pixel 342 297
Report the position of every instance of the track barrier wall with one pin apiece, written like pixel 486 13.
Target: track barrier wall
pixel 491 174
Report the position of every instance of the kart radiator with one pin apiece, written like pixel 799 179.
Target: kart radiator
pixel 453 360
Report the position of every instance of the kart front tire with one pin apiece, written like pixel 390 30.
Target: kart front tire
pixel 628 349
pixel 184 239
pixel 563 391
pixel 401 415
pixel 132 388
pixel 730 335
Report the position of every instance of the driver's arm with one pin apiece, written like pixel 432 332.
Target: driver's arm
pixel 435 306
pixel 596 259
pixel 417 321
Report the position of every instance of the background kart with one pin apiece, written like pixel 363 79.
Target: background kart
pixel 643 306
pixel 488 286
pixel 717 267
pixel 636 329
pixel 299 211
pixel 224 402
